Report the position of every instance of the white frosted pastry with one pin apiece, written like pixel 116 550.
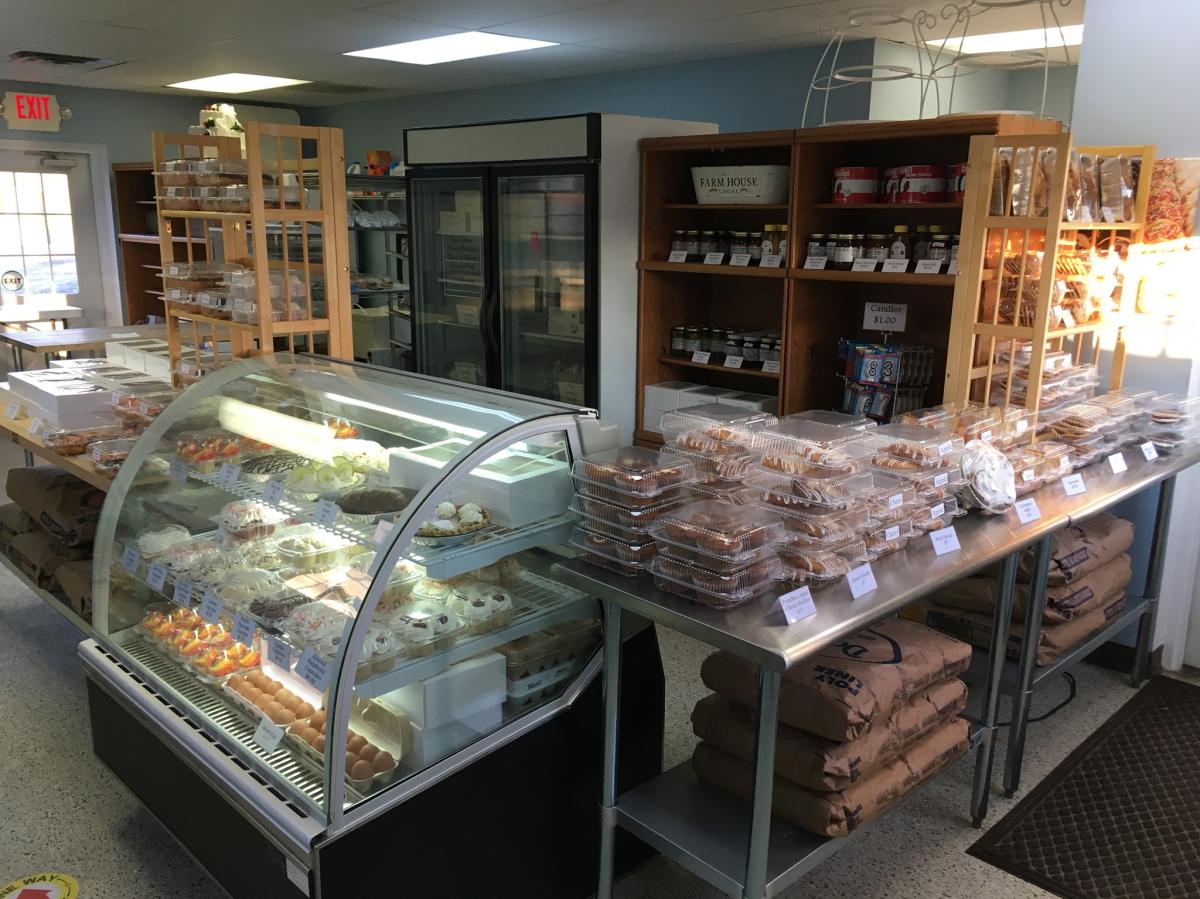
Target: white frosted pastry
pixel 443 526
pixel 428 588
pixel 991 484
pixel 470 519
pixel 446 510
pixel 470 508
pixel 155 543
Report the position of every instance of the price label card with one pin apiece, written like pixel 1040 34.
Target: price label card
pixel 864 265
pixel 677 256
pixel 1022 426
pixel 229 474
pixel 739 259
pixel 937 511
pixel 182 594
pixel 314 669
pixel 733 361
pixel 326 513
pixel 210 607
pixel 816 263
pixel 701 357
pixel 1027 511
pixel 1149 451
pixel 268 735
pixel 895 501
pixel 157 575
pixel 952 268
pixel 1073 485
pixel 273 492
pixel 892 533
pixel 895 266
pixel 861 580
pixel 1117 463
pixel 885 316
pixel 945 449
pixel 1028 475
pixel 1067 319
pixel 771 368
pixel 714 258
pixel 179 471
pixel 797 605
pixel 130 559
pixel 12 410
pixel 929 266
pixel 941 480
pixel 279 653
pixel 770 260
pixel 381 531
pixel 243 629
pixel 35 427
pixel 944 541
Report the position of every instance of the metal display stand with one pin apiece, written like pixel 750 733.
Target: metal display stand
pixel 738 848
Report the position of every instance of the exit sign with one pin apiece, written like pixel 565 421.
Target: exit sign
pixel 32 112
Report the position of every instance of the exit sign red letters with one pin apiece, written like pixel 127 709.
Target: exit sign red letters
pixel 32 112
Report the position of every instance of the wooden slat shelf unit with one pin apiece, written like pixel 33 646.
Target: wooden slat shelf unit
pixel 811 309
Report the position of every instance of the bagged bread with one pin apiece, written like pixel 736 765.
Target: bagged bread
pixel 1053 640
pixel 1000 181
pixel 1081 548
pixel 1063 601
pixel 837 813
pixel 1024 166
pixel 14 520
pixel 839 691
pixel 75 581
pixel 1116 189
pixel 1089 189
pixel 821 764
pixel 58 502
pixel 38 555
pixel 1073 198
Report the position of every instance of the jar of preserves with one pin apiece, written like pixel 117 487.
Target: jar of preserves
pixel 709 243
pixel 739 242
pixel 691 243
pixel 750 348
pixel 677 341
pixel 920 244
pixel 756 247
pixel 781 246
pixel 939 244
pixel 733 344
pixel 842 259
pixel 815 248
pixel 858 244
pixel 716 340
pixel 876 247
pixel 901 245
pixel 691 340
pixel 776 350
pixel 954 239
pixel 677 242
pixel 770 241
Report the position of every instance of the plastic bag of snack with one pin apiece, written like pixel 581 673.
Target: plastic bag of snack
pixel 991 483
pixel 1089 184
pixel 1000 181
pixel 1043 177
pixel 1073 198
pixel 1023 168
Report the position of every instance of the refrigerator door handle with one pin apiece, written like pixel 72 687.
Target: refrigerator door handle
pixel 487 322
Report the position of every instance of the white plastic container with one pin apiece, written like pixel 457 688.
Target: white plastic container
pixel 752 184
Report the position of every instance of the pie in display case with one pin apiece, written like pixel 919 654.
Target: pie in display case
pixel 329 590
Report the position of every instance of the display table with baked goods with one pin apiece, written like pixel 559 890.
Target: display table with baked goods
pixel 331 641
pixel 713 814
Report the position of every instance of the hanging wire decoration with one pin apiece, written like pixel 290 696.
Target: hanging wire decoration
pixel 938 39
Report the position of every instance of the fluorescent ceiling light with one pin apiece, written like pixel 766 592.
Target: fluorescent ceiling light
pixel 1015 41
pixel 235 83
pixel 451 47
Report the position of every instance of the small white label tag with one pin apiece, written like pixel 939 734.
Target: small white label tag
pixel 739 259
pixel 279 653
pixel 952 268
pixel 12 410
pixel 314 669
pixel 1027 511
pixel 677 256
pixel 944 449
pixel 1073 485
pixel 816 263
pixel 701 357
pixel 381 531
pixel 895 501
pixel 797 605
pixel 1117 463
pixel 1022 426
pixel 1028 475
pixel 985 434
pixel 941 480
pixel 929 266
pixel 861 580
pixel 770 368
pixel 210 607
pixel 733 361
pixel 1068 320
pixel 130 559
pixel 1149 451
pixel 714 258
pixel 944 541
pixel 895 266
pixel 179 471
pixel 243 629
pixel 182 595
pixel 770 260
pixel 156 576
pixel 1108 214
pixel 273 492
pixel 35 427
pixel 268 735
pixel 892 533
pixel 864 265
pixel 326 513
pixel 229 474
pixel 937 511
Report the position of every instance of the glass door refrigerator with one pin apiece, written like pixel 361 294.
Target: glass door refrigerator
pixel 524 250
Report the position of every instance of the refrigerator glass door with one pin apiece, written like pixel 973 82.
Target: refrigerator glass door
pixel 543 249
pixel 449 277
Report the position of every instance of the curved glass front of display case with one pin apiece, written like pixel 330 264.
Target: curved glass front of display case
pixel 309 553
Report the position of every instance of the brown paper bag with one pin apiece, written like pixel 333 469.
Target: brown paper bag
pixel 835 814
pixel 1084 547
pixel 58 502
pixel 824 764
pixel 13 520
pixel 75 581
pixel 38 555
pixel 837 692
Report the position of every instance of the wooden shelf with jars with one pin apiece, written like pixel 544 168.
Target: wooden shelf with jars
pixel 809 310
pixel 257 212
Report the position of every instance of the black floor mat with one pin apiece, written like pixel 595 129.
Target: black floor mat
pixel 1120 816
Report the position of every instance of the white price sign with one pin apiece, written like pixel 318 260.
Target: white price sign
pixel 326 513
pixel 381 531
pixel 929 267
pixel 12 410
pixel 770 260
pixel 945 449
pixel 892 533
pixel 35 427
pixel 1027 511
pixel 130 559
pixel 815 263
pixel 739 259
pixel 701 357
pixel 714 258
pixel 210 607
pixel 884 316
pixel 952 268
pixel 1073 485
pixel 797 605
pixel 864 265
pixel 268 735
pixel 157 576
pixel 937 511
pixel 179 471
pixel 861 580
pixel 1117 463
pixel 182 595
pixel 944 541
pixel 1028 475
pixel 273 492
pixel 677 256
pixel 243 629
pixel 895 266
pixel 228 475
pixel 770 368
pixel 1149 451
pixel 733 361
pixel 314 669
pixel 895 501
pixel 941 480
pixel 279 653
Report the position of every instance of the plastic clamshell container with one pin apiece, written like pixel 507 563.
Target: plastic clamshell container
pixel 148 406
pixel 719 530
pixel 215 172
pixel 1078 423
pixel 315 621
pixel 720 591
pixel 823 527
pixel 1121 409
pixel 1028 470
pixel 835 419
pixel 889 499
pixel 75 441
pixel 1056 459
pixel 922 445
pixel 200 271
pixel 244 285
pixel 889 538
pixel 109 452
pixel 240 588
pixel 724 563
pixel 178 198
pixel 184 297
pixel 214 304
pixel 616 521
pixel 814 489
pixel 935 516
pixel 632 476
pixel 820 566
pixel 426 628
pixel 175 173
pixel 933 417
pixel 723 469
pixel 1174 408
pixel 930 483
pixel 710 427
pixel 308 548
pixel 249 519
pixel 717 493
pixel 1017 424
pixel 630 559
pixel 792 435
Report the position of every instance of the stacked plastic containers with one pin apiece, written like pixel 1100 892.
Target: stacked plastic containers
pixel 1173 421
pixel 926 457
pixel 619 495
pixel 1083 427
pixel 718 440
pixel 1063 382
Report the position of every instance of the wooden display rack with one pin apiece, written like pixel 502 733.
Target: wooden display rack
pixel 811 309
pixel 306 237
pixel 1031 278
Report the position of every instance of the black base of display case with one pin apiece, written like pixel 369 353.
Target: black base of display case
pixel 520 822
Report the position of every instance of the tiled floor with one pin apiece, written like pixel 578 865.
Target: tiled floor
pixel 63 811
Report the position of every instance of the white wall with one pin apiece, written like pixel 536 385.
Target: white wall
pixel 985 89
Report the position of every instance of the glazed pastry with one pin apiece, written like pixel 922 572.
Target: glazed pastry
pixel 891 463
pixel 824 565
pixel 152 544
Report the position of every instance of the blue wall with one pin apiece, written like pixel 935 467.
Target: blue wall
pixel 745 93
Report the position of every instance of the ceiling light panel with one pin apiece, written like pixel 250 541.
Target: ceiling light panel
pixel 1014 41
pixel 451 47
pixel 235 83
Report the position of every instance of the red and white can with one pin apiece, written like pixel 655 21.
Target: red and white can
pixel 957 185
pixel 891 183
pixel 922 184
pixel 855 184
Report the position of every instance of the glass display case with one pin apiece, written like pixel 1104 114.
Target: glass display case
pixel 344 576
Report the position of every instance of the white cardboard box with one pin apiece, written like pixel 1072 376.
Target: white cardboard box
pixel 431 744
pixel 59 393
pixel 667 394
pixel 702 395
pixel 456 695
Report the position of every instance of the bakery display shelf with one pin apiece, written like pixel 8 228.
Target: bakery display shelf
pixel 214 322
pixel 912 278
pixel 55 601
pixel 684 362
pixel 539 603
pixel 699 268
pixel 17 431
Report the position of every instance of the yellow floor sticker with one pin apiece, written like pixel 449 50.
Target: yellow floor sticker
pixel 47 885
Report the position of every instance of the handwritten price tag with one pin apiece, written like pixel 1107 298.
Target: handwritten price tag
pixel 179 471
pixel 937 511
pixel 770 368
pixel 701 357
pixel 1149 451
pixel 895 266
pixel 273 492
pixel 326 513
pixel 861 580
pixel 12 410
pixel 268 735
pixel 815 263
pixel 864 265
pixel 770 260
pixel 797 605
pixel 130 559
pixel 733 361
pixel 944 541
pixel 895 501
pixel 892 533
pixel 1117 463
pixel 381 531
pixel 1073 485
pixel 677 256
pixel 314 669
pixel 182 595
pixel 279 653
pixel 210 607
pixel 1027 511
pixel 157 576
pixel 35 427
pixel 739 259
pixel 714 258
pixel 929 266
pixel 941 480
pixel 229 474
pixel 243 629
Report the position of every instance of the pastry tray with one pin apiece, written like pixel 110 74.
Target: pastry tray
pixel 615 521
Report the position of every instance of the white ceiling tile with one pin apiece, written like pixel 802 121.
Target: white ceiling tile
pixel 218 20
pixel 74 10
pixel 333 35
pixel 713 32
pixel 476 14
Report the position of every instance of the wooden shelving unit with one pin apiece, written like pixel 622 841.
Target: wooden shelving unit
pixel 295 225
pixel 811 309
